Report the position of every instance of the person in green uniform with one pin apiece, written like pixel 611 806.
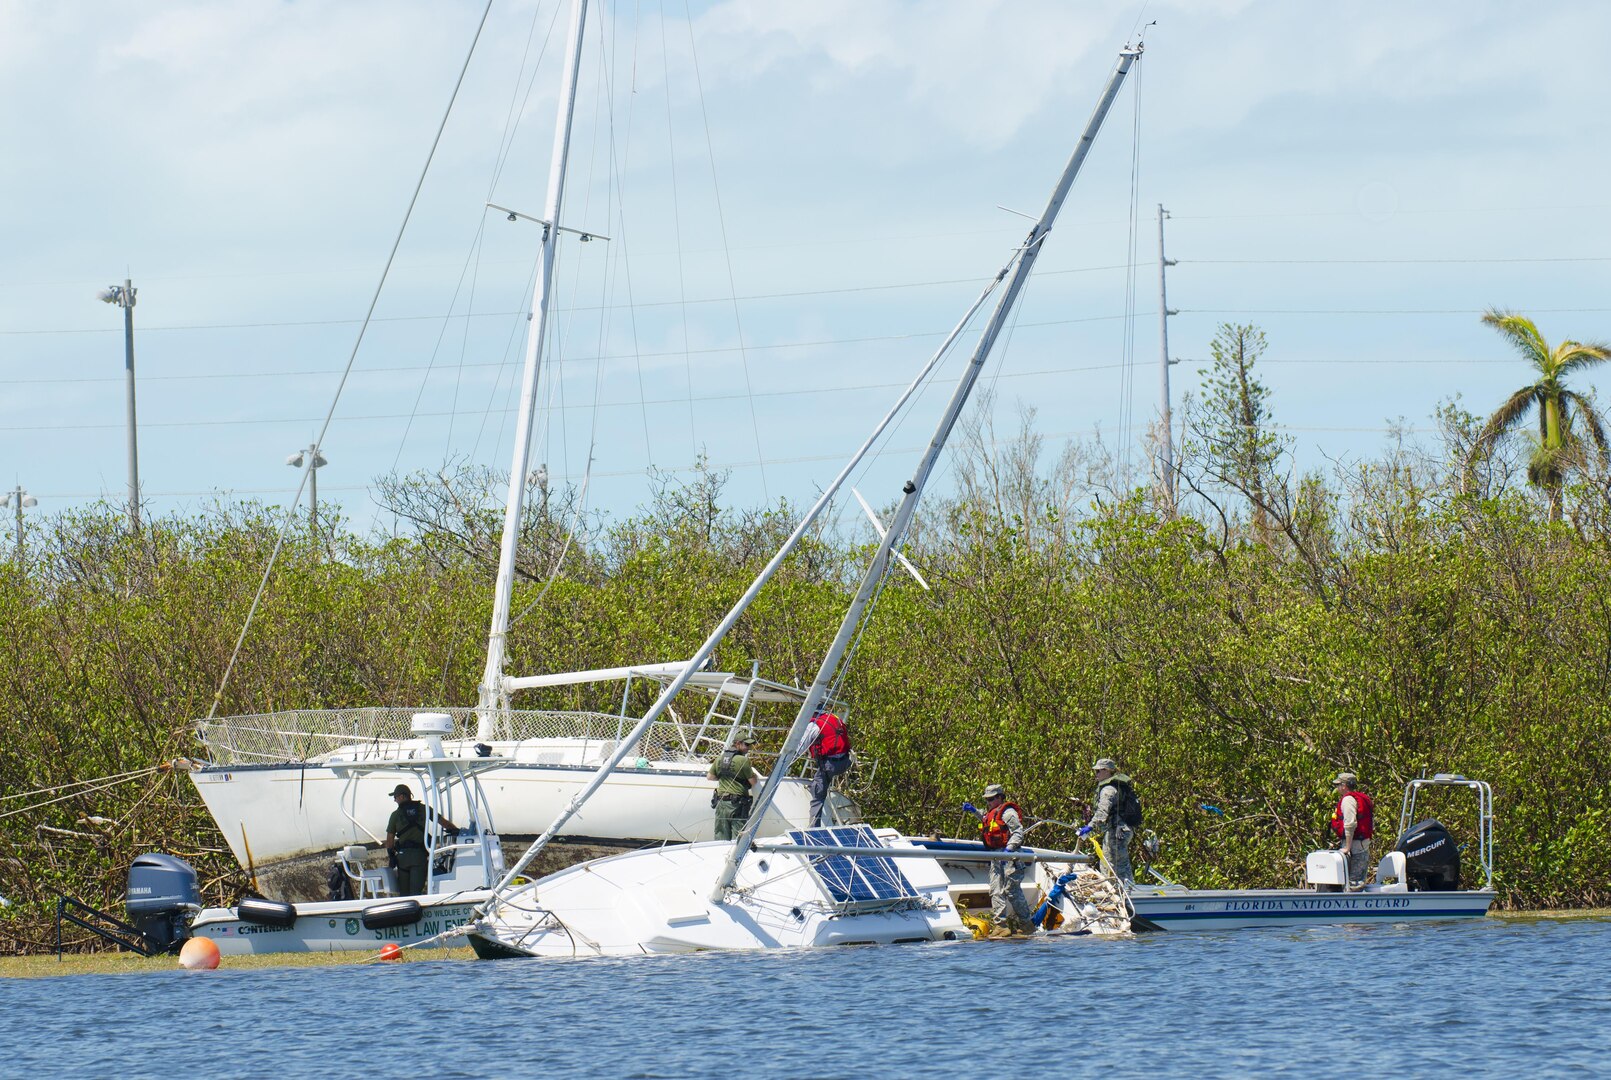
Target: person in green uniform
pixel 735 778
pixel 405 839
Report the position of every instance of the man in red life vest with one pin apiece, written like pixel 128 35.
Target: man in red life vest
pixel 829 744
pixel 1001 827
pixel 1353 823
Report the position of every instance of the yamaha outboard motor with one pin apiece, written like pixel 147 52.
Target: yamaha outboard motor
pixel 163 897
pixel 1432 861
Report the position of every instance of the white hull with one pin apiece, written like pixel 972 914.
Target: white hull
pixel 270 813
pixel 337 926
pixel 657 901
pixel 1240 909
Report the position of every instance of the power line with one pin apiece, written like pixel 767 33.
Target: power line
pixel 797 392
pixel 844 290
pixel 1395 262
pixel 748 463
pixel 1380 311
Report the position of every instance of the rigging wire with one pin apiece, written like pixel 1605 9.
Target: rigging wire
pixel 623 262
pixel 676 223
pixel 290 511
pixel 727 252
pixel 1126 419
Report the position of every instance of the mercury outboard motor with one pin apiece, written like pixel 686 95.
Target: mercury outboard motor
pixel 1432 860
pixel 163 896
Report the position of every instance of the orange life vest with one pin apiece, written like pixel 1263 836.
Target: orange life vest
pixel 1362 818
pixel 993 830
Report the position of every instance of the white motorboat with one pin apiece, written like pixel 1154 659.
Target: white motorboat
pixel 461 865
pixel 805 888
pixel 1419 880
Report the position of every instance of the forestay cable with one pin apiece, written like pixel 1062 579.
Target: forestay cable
pixel 290 511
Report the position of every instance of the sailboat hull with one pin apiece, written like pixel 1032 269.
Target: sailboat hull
pixel 657 902
pixel 273 813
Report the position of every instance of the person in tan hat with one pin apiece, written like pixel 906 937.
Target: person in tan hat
pixel 1001 827
pixel 1353 822
pixel 1118 815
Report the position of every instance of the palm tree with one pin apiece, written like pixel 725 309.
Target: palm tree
pixel 1558 447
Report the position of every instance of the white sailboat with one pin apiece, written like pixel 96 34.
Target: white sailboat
pixel 278 784
pixel 805 887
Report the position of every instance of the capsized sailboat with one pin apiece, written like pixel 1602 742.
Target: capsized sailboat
pixel 804 887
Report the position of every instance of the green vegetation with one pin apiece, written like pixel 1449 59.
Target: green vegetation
pixel 1412 612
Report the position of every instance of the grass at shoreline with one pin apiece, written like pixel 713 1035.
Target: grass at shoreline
pixel 125 963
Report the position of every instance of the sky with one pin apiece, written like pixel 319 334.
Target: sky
pixel 800 200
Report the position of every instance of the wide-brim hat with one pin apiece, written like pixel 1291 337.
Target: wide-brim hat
pixel 1105 763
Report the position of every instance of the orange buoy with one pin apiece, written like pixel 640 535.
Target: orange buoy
pixel 391 951
pixel 199 954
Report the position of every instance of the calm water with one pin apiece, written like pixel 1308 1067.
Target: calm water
pixel 1504 996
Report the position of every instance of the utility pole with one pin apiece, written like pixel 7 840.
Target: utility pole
pixel 20 499
pixel 123 297
pixel 1166 459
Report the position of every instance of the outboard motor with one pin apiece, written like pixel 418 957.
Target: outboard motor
pixel 1432 860
pixel 163 896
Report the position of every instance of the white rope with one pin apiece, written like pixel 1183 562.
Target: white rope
pixel 76 794
pixel 81 783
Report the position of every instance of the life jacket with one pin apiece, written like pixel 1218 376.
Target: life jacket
pixel 993 830
pixel 832 739
pixel 1363 823
pixel 411 837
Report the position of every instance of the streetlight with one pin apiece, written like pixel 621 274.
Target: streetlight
pixel 22 500
pixel 123 296
pixel 313 459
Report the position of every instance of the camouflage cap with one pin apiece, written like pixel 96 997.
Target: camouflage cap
pixel 1106 763
pixel 1348 778
pixel 995 791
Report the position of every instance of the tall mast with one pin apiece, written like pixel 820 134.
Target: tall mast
pixel 492 695
pixel 1018 273
pixel 629 742
pixel 1166 457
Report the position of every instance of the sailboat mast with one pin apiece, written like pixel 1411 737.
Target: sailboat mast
pixel 913 489
pixel 492 695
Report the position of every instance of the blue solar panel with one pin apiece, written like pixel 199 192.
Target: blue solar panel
pixel 854 879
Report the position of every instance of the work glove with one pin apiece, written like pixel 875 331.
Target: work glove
pixel 1085 830
pixel 970 808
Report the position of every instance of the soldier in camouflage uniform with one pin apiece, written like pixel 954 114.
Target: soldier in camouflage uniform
pixel 1118 815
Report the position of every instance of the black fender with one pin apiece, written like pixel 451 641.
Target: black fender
pixel 392 913
pixel 255 909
